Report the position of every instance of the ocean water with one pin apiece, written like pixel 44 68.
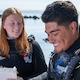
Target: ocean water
pixel 36 28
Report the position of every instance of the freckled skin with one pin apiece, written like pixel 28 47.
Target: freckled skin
pixel 13 25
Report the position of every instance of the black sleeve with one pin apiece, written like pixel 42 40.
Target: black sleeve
pixel 77 73
pixel 49 71
pixel 42 76
pixel 38 59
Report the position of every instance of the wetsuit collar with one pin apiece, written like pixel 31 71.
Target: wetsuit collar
pixel 74 47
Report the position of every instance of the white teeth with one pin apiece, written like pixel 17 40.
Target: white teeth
pixel 16 31
pixel 55 44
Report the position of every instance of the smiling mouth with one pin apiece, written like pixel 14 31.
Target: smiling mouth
pixel 16 31
pixel 56 44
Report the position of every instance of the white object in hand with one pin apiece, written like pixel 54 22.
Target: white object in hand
pixel 6 73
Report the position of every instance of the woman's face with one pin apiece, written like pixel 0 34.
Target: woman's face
pixel 13 26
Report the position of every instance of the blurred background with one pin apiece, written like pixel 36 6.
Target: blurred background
pixel 32 11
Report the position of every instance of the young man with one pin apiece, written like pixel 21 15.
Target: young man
pixel 61 26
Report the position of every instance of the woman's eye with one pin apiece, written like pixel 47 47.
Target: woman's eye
pixel 19 23
pixel 12 24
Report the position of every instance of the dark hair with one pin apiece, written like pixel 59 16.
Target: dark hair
pixel 62 12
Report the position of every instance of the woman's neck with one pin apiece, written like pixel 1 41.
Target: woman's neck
pixel 9 38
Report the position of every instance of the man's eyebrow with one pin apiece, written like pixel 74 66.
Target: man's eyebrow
pixel 52 31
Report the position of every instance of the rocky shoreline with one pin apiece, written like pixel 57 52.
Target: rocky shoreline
pixel 29 17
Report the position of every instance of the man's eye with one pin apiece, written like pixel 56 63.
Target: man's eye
pixel 55 34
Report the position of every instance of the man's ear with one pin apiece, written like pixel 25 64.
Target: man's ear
pixel 73 26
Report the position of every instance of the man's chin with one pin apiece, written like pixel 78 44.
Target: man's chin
pixel 57 51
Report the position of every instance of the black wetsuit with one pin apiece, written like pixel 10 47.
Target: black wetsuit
pixel 60 63
pixel 30 67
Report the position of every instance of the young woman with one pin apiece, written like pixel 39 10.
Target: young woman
pixel 15 48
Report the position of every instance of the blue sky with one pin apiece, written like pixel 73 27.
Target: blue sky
pixel 31 4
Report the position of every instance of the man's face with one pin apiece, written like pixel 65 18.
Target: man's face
pixel 60 36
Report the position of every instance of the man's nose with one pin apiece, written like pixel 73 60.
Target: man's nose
pixel 51 38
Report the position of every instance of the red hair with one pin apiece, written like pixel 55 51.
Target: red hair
pixel 21 43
